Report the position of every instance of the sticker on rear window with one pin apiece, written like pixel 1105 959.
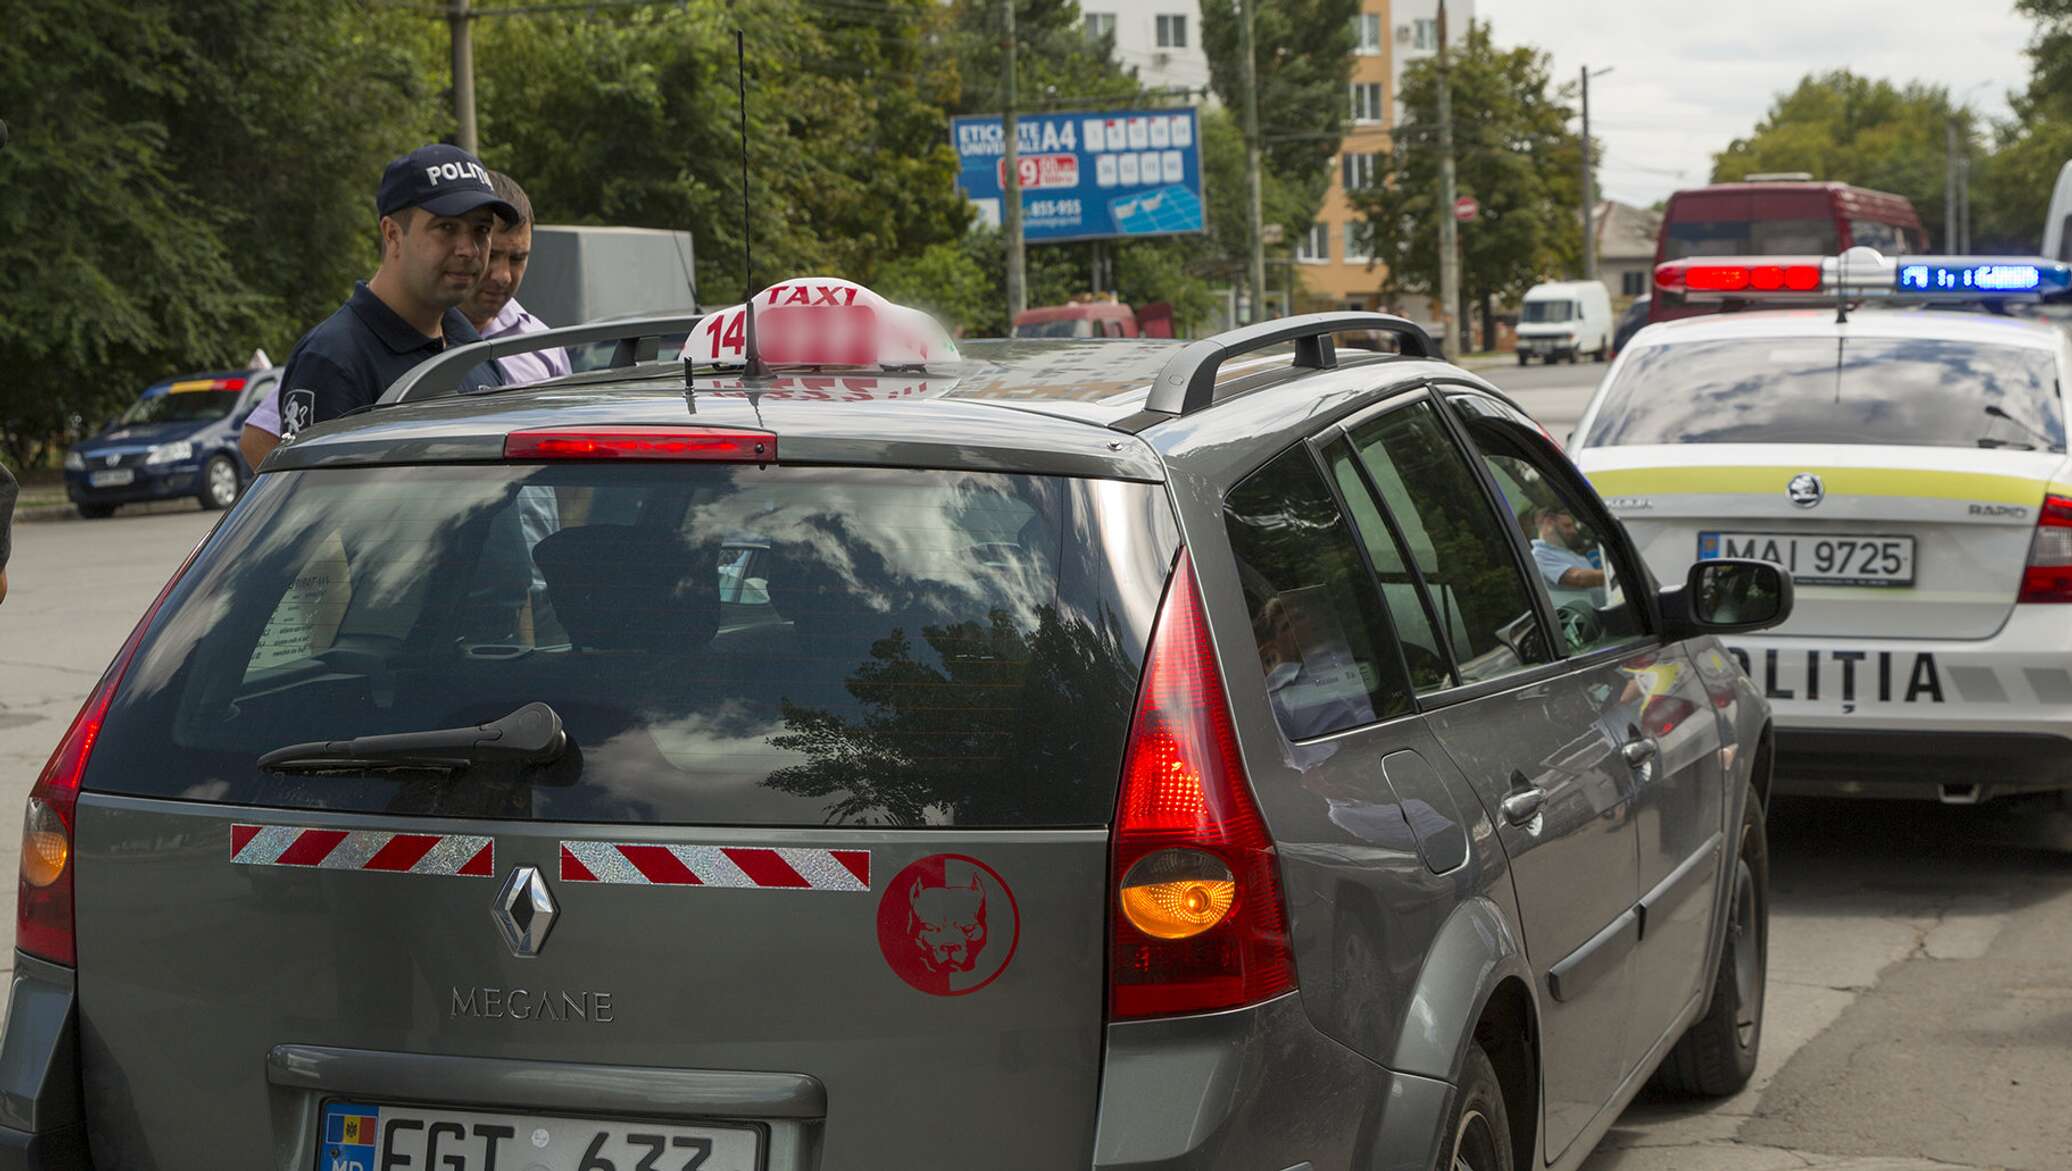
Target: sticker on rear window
pixel 948 925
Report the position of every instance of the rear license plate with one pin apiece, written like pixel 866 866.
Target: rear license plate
pixel 112 478
pixel 1822 559
pixel 358 1137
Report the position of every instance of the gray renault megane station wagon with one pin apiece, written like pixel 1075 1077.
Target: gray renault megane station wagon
pixel 1049 754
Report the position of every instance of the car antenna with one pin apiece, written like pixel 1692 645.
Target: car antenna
pixel 1842 289
pixel 753 368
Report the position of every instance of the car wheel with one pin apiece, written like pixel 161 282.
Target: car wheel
pixel 1480 1137
pixel 218 483
pixel 1522 359
pixel 1717 1055
pixel 1603 354
pixel 96 511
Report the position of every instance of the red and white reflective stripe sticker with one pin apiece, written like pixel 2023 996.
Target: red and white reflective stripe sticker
pixel 459 855
pixel 757 867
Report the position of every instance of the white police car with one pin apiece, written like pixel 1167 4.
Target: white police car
pixel 1908 466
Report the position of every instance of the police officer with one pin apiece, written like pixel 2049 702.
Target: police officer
pixel 437 212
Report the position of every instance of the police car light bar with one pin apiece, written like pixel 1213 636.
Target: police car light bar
pixel 1863 274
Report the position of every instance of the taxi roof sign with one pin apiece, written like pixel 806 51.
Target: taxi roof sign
pixel 822 322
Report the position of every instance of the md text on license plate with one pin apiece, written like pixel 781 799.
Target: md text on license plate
pixel 357 1137
pixel 1821 558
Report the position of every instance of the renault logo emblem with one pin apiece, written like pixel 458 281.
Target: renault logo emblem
pixel 524 911
pixel 1805 490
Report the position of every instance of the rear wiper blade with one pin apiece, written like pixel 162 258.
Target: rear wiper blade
pixel 530 735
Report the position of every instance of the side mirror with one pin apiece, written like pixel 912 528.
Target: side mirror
pixel 1727 596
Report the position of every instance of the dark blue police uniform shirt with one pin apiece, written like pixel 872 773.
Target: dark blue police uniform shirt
pixel 349 360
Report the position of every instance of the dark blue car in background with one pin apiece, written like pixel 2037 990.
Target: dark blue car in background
pixel 178 439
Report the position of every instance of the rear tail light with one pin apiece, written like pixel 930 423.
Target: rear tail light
pixel 1198 920
pixel 43 925
pixel 706 444
pixel 2048 577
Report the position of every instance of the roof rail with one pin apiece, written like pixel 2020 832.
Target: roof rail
pixel 1188 382
pixel 639 340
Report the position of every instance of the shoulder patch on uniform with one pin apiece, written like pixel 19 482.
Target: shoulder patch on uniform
pixel 298 410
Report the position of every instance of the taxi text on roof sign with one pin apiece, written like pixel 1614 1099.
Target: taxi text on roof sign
pixel 822 321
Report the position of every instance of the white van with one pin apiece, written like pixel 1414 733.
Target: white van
pixel 1564 319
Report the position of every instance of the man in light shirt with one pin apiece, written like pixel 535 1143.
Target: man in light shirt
pixel 493 307
pixel 1570 574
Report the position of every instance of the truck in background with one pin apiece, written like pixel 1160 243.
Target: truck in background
pixel 585 273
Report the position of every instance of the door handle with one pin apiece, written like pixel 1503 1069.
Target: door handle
pixel 1523 805
pixel 1638 752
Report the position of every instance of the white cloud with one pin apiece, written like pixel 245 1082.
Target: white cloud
pixel 1690 76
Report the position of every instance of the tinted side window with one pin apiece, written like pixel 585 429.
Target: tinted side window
pixel 1323 642
pixel 1575 563
pixel 1424 651
pixel 1465 555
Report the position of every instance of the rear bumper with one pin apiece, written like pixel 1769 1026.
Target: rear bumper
pixel 41 1125
pixel 1968 766
pixel 1258 1089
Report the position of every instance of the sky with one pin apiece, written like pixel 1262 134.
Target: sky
pixel 1688 76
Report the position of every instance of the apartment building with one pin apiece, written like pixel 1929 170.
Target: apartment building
pixel 1161 39
pixel 1335 259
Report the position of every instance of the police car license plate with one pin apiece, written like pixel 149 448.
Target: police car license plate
pixel 358 1137
pixel 1821 559
pixel 111 478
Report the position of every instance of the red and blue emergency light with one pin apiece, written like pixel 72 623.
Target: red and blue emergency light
pixel 1862 274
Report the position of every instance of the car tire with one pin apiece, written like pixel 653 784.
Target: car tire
pixel 1523 360
pixel 1479 1138
pixel 219 483
pixel 96 511
pixel 1717 1055
pixel 1603 354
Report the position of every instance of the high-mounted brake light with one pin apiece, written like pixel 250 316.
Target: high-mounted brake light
pixel 651 443
pixel 43 923
pixel 1198 920
pixel 2048 576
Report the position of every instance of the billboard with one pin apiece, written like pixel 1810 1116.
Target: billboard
pixel 1090 176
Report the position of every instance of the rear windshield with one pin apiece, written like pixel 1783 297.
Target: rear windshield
pixel 1746 237
pixel 1912 391
pixel 725 644
pixel 1550 311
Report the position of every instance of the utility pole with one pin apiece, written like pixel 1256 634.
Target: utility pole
pixel 1449 253
pixel 1254 200
pixel 1949 240
pixel 1964 204
pixel 1589 192
pixel 463 73
pixel 1011 214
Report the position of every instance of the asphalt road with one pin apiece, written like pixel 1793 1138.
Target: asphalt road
pixel 1920 1006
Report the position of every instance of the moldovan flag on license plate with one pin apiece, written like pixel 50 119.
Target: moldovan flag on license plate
pixel 352 1130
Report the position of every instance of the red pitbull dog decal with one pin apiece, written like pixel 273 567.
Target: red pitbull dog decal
pixel 948 925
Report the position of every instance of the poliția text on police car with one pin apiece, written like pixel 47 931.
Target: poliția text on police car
pixel 1908 464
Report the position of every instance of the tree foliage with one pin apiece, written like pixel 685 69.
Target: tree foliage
pixel 1850 129
pixel 1514 152
pixel 632 118
pixel 187 180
